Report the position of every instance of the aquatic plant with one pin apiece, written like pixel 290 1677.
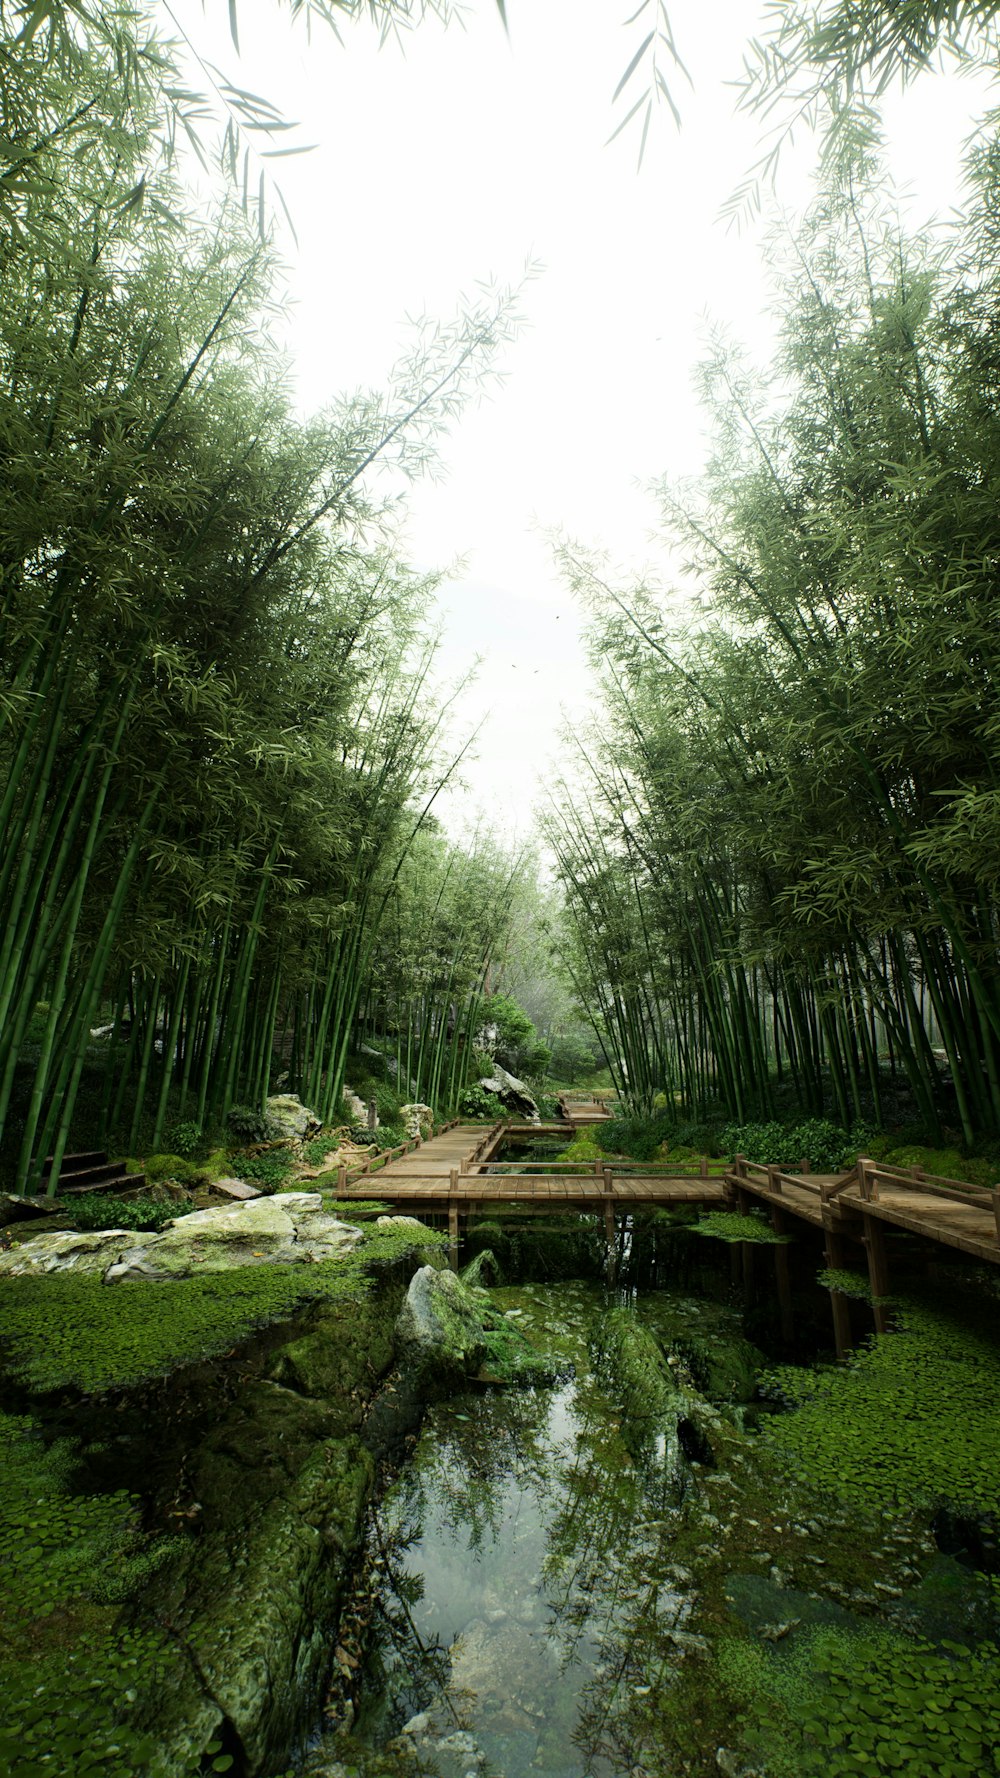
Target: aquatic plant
pixel 729 1225
pixel 912 1419
pixel 838 1703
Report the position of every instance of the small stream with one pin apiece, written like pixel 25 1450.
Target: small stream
pixel 523 1557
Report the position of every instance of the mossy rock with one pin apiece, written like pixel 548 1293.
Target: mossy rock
pixel 175 1167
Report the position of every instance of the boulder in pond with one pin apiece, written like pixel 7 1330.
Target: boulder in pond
pixel 440 1332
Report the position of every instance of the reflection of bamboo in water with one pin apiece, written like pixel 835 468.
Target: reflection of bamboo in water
pixel 425 1650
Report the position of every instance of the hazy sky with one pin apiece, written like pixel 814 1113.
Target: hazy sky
pixel 460 158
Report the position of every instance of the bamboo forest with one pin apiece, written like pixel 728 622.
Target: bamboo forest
pixel 499 1125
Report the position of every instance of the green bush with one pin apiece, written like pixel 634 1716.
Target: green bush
pixel 99 1211
pixel 186 1138
pixel 828 1147
pixel 270 1169
pixel 245 1124
pixel 476 1103
pixel 638 1137
pixel 386 1136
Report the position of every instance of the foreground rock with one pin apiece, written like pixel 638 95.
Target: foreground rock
pixel 291 1228
pixel 512 1093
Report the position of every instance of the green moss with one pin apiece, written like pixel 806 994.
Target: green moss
pixel 840 1703
pixel 911 1420
pixel 947 1163
pixel 64 1330
pixel 171 1166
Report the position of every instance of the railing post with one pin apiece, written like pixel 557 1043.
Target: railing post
pixel 704 1166
pixel 804 1166
pixel 341 1181
pixel 865 1183
pixel 607 1182
pixel 598 1166
pixel 453 1180
pixel 740 1165
pixel 774 1180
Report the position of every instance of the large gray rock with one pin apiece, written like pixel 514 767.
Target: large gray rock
pixel 291 1118
pixel 511 1092
pixel 440 1328
pixel 291 1228
pixel 65 1251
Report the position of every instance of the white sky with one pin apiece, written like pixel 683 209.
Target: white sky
pixel 458 160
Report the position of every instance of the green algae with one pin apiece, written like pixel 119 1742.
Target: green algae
pixel 61 1330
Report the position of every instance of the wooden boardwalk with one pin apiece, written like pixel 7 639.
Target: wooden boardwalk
pixel 457 1173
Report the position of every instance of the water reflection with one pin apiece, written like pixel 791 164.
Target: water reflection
pixel 521 1569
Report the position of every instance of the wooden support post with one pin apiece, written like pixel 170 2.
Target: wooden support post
pixel 366 1163
pixel 341 1181
pixel 739 1165
pixel 878 1270
pixel 703 1169
pixel 866 1184
pixel 804 1166
pixel 453 1179
pixel 598 1166
pixel 611 1243
pixel 774 1180
pixel 453 1236
pixel 783 1277
pixel 464 1164
pixel 839 1303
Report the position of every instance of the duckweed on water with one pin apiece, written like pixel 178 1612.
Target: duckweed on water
pixel 729 1225
pixel 69 1331
pixel 911 1420
pixel 840 1703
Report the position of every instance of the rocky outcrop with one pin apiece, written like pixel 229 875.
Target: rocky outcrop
pixel 512 1093
pixel 290 1118
pixel 291 1228
pixel 417 1119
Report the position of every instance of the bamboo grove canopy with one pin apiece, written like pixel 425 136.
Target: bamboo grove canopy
pixel 786 865
pixel 216 743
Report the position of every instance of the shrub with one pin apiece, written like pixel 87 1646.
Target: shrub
pixel 186 1138
pixel 638 1137
pixel 476 1103
pixel 268 1170
pixel 98 1210
pixel 248 1125
pixel 827 1146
